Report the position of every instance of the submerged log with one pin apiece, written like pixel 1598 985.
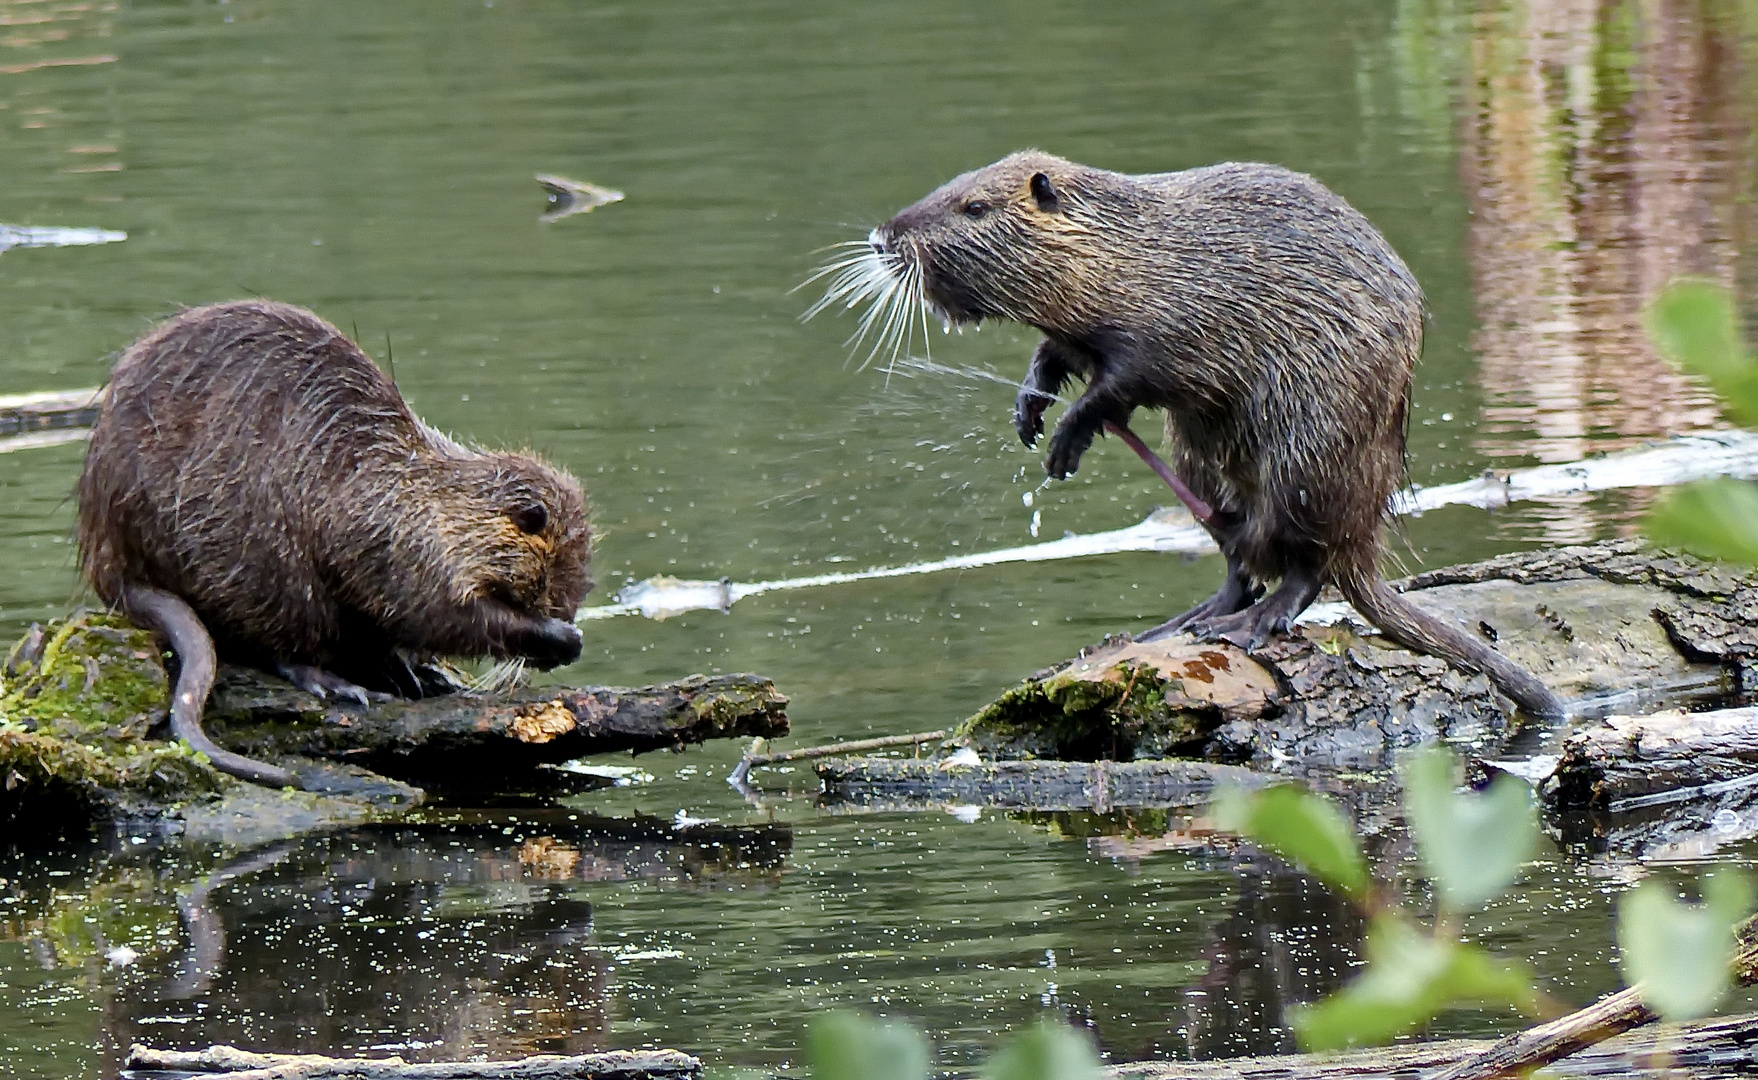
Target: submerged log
pixel 1627 763
pixel 896 783
pixel 145 1063
pixel 1610 626
pixel 51 410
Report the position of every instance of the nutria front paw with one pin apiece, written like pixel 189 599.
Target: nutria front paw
pixel 550 643
pixel 324 684
pixel 1066 448
pixel 1028 413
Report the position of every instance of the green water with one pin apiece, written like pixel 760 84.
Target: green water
pixel 375 162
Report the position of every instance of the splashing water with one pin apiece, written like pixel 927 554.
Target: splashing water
pixel 890 286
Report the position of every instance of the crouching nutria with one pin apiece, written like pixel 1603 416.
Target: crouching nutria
pixel 255 485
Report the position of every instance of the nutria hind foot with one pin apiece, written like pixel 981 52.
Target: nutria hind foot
pixel 324 684
pixel 1274 614
pixel 1236 594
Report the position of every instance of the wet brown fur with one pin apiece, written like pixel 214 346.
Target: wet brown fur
pixel 1272 322
pixel 254 462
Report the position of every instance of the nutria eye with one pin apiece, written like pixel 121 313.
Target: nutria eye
pixel 530 519
pixel 976 208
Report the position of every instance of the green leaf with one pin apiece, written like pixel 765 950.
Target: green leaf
pixel 847 1046
pixel 1714 518
pixel 1300 827
pixel 1694 324
pixel 1472 845
pixel 1679 953
pixel 1045 1052
pixel 1410 977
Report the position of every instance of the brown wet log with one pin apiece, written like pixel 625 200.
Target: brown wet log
pixel 1625 763
pixel 489 734
pixel 145 1062
pixel 1722 1047
pixel 1618 626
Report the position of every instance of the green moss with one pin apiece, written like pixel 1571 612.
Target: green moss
pixel 93 678
pixel 77 701
pixel 1122 717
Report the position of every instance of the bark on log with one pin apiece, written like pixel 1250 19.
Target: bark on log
pixel 897 783
pixel 1616 626
pixel 144 1063
pixel 459 736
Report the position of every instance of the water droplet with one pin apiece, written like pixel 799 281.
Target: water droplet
pixel 1027 498
pixel 1037 520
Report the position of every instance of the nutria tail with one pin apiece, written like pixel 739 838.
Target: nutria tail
pixel 1413 628
pixel 158 610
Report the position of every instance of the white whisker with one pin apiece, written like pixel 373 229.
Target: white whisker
pixel 889 288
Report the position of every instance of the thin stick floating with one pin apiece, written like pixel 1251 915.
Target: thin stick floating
pixel 859 746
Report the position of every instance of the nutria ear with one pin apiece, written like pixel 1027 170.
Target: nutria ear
pixel 530 520
pixel 1045 192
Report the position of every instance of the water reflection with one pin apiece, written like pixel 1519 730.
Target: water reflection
pixel 439 941
pixel 1604 152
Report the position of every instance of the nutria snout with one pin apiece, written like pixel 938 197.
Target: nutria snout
pixel 254 467
pixel 1269 319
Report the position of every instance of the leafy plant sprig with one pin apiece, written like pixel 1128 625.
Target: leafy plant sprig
pixel 1472 846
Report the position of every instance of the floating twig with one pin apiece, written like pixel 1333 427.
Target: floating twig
pixel 859 746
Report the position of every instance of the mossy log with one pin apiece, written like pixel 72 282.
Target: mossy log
pixel 82 738
pixel 460 736
pixel 144 1063
pixel 1612 627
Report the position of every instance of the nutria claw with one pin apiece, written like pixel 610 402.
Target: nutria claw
pixel 1028 414
pixel 1066 449
pixel 320 683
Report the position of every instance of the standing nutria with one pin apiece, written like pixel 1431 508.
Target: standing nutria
pixel 253 476
pixel 1272 322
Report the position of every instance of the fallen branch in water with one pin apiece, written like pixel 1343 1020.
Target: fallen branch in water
pixel 1614 1014
pixel 859 746
pixel 237 1064
pixel 1629 762
pixel 1719 1047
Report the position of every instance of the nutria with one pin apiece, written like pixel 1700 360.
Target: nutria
pixel 1274 325
pixel 253 476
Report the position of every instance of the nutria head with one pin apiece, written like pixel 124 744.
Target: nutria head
pixel 522 538
pixel 512 537
pixel 1006 241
